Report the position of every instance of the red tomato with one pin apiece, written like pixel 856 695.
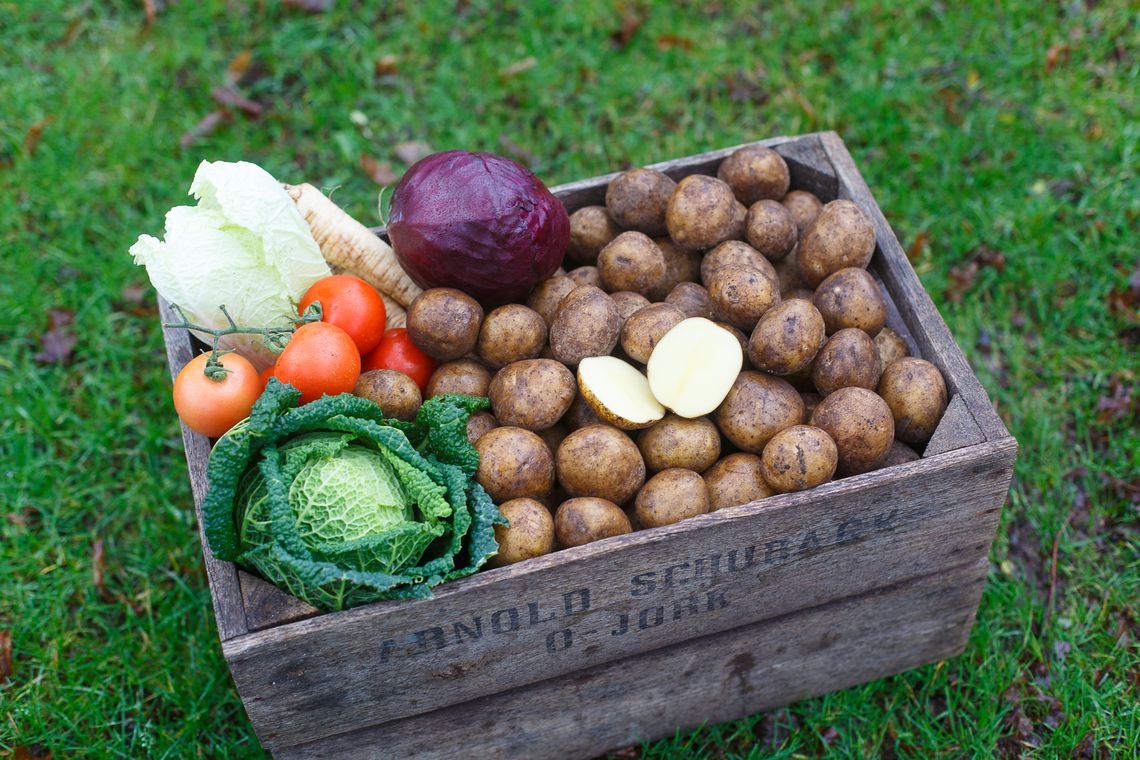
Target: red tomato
pixel 396 351
pixel 265 375
pixel 351 304
pixel 211 407
pixel 320 359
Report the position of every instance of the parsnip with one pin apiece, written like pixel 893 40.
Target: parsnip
pixel 349 247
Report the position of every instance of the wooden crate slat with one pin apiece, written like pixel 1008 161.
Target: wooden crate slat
pixel 957 429
pixel 325 674
pixel 706 680
pixel 222 576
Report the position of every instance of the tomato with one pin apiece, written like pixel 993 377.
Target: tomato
pixel 396 351
pixel 211 407
pixel 351 304
pixel 320 359
pixel 265 375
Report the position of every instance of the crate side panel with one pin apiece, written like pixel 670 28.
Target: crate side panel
pixel 222 576
pixel 706 680
pixel 594 604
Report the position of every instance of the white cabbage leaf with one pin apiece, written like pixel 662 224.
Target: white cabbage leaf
pixel 245 246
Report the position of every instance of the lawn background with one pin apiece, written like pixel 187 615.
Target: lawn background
pixel 1000 139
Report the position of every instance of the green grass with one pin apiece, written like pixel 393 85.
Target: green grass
pixel 963 131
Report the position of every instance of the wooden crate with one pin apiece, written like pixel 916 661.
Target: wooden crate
pixel 637 636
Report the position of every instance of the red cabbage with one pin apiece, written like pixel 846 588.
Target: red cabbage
pixel 477 222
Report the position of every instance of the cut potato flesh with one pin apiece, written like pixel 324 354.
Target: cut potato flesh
pixel 618 393
pixel 693 367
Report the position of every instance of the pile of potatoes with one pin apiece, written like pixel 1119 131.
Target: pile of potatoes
pixel 825 387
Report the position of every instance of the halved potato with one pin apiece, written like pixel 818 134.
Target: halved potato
pixel 618 393
pixel 693 367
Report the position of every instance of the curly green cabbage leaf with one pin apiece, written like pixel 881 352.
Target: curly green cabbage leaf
pixel 341 506
pixel 244 245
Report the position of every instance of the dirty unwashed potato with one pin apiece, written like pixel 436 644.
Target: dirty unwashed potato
pixel 861 425
pixel 786 338
pixel 581 414
pixel 770 229
pixel 680 266
pixel 532 394
pixel 582 520
pixel 631 261
pixel 671 496
pixel 637 198
pixel 755 173
pixel 841 236
pixel 618 393
pixel 804 208
pixel 798 458
pixel 628 304
pixel 692 299
pixel 577 463
pixel 444 323
pixel 847 359
pixel 693 367
pixel 548 294
pixel 678 442
pixel 851 298
pixel 756 408
pixel 511 333
pixel 587 324
pixel 591 228
pixel 701 213
pixel 478 424
pixel 529 534
pixel 736 479
pixel 741 295
pixel 395 393
pixel 916 393
pixel 586 276
pixel 641 332
pixel 889 345
pixel 514 463
pixel 465 376
pixel 735 253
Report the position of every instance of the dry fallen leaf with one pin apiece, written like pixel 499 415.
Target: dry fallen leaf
pixel 34 133
pixel 631 21
pixel 1057 54
pixel 518 67
pixel 379 171
pixel 237 67
pixel 666 41
pixel 517 152
pixel 32 752
pixel 917 247
pixel 228 96
pixel 151 10
pixel 5 656
pixel 412 151
pixel 385 65
pixel 57 341
pixel 98 570
pixel 203 128
pixel 961 279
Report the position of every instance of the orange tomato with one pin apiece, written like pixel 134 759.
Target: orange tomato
pixel 351 304
pixel 320 359
pixel 396 351
pixel 211 407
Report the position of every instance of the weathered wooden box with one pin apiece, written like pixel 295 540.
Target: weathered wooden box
pixel 635 637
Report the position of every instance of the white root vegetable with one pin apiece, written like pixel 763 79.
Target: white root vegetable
pixel 618 393
pixel 693 367
pixel 397 316
pixel 349 247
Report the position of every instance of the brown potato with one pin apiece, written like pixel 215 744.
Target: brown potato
pixel 582 520
pixel 444 323
pixel 811 401
pixel 898 453
pixel 739 221
pixel 514 463
pixel 602 461
pixel 851 298
pixel 641 332
pixel 547 296
pixel 916 393
pixel 860 423
pixel 553 437
pixel 786 338
pixel 741 295
pixel 734 253
pixel 680 266
pixel 581 414
pixel 737 333
pixel 671 496
pixel 804 293
pixel 690 444
pixel 804 208
pixel 736 480
pixel 628 303
pixel 755 173
pixel 511 333
pixel 631 261
pixel 788 273
pixel 591 228
pixel 395 393
pixel 637 198
pixel 799 458
pixel 701 212
pixel 530 533
pixel 841 236
pixel 692 299
pixel 532 394
pixel 465 376
pixel 587 324
pixel 889 345
pixel 586 276
pixel 478 424
pixel 770 229
pixel 847 359
pixel 757 407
